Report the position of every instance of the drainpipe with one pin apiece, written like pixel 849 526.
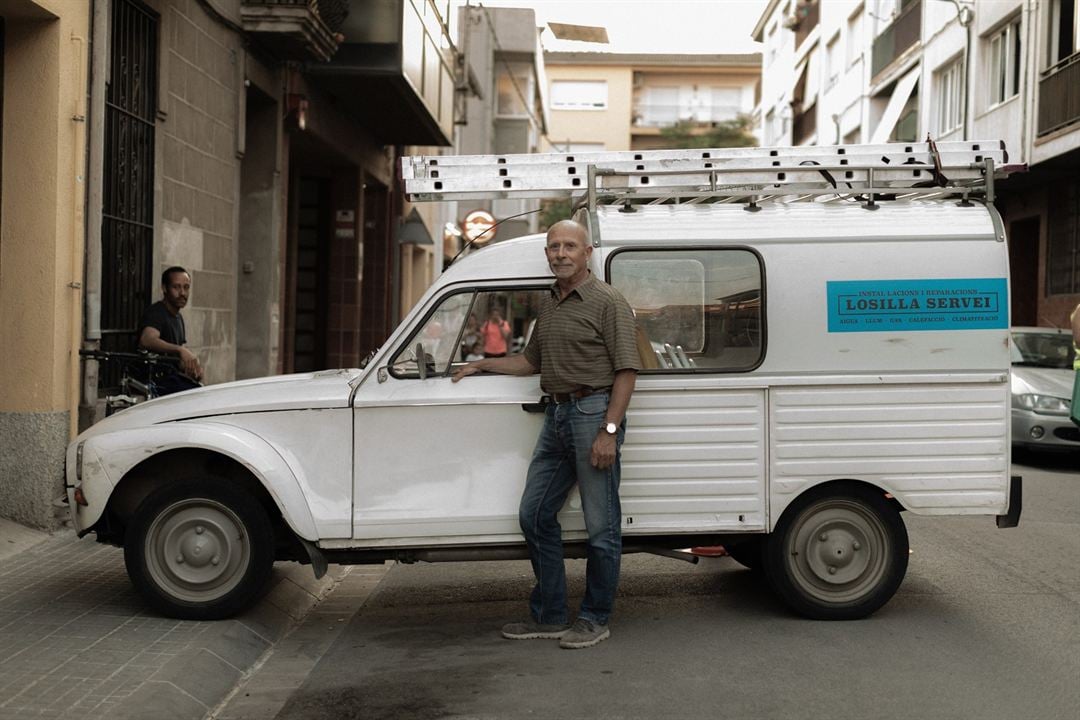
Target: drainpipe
pixel 965 15
pixel 94 129
pixel 78 166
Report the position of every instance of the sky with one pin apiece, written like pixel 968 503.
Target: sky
pixel 650 26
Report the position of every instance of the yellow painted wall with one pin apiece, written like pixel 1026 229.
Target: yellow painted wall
pixel 610 126
pixel 41 222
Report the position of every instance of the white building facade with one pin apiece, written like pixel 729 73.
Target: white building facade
pixel 850 71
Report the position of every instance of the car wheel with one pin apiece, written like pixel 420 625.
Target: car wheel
pixel 838 553
pixel 199 550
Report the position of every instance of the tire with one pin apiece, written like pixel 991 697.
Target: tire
pixel 200 549
pixel 748 553
pixel 838 553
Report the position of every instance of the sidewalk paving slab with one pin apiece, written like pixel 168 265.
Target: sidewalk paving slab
pixel 77 639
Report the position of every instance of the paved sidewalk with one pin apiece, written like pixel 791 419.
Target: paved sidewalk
pixel 77 641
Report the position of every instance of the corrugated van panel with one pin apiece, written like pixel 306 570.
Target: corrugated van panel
pixel 937 448
pixel 694 460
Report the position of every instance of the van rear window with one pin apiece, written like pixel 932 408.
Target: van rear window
pixel 695 309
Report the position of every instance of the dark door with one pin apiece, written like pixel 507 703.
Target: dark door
pixel 310 298
pixel 1024 270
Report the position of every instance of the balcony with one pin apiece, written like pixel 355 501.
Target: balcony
pixel 393 71
pixel 293 29
pixel 1059 95
pixel 902 34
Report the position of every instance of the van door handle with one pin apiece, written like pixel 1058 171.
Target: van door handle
pixel 536 407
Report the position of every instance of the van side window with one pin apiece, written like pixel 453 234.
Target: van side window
pixel 469 326
pixel 695 309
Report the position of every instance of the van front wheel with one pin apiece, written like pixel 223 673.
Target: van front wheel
pixel 199 549
pixel 839 553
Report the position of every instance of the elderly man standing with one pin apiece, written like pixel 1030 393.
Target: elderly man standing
pixel 584 349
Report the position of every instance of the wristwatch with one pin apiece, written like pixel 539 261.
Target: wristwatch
pixel 611 428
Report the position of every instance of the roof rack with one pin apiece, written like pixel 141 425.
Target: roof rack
pixel 966 168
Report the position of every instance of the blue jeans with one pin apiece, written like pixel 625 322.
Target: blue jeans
pixel 561 459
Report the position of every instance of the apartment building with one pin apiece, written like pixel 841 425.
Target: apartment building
pixel 846 71
pixel 253 142
pixel 622 101
pixel 504 110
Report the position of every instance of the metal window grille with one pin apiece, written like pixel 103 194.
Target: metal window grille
pixel 127 228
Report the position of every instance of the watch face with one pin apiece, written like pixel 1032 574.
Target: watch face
pixel 611 428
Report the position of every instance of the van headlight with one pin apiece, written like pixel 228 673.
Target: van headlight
pixel 1042 404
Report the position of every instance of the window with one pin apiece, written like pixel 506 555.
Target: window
pixel 853 38
pixel 852 138
pixel 770 44
pixel 455 330
pixel 832 61
pixel 659 107
pixel 1004 63
pixel 949 97
pixel 718 104
pixel 695 309
pixel 1064 30
pixel 579 94
pixel 515 90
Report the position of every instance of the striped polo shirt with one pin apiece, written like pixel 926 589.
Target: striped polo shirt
pixel 583 339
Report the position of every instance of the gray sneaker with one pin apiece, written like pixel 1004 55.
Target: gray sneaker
pixel 530 630
pixel 583 634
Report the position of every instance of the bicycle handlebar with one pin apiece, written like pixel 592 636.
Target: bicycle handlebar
pixel 143 357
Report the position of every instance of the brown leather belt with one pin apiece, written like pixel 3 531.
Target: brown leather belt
pixel 583 392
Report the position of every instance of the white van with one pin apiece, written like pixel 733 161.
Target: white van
pixel 816 363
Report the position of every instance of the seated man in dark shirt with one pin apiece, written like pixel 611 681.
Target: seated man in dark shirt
pixel 161 330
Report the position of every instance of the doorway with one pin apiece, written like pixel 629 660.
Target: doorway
pixel 308 304
pixel 1024 271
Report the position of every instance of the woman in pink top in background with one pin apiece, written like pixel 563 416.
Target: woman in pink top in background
pixel 496 334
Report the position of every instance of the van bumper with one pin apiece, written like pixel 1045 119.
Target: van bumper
pixel 1012 518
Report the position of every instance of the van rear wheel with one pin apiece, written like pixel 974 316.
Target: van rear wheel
pixel 838 553
pixel 199 549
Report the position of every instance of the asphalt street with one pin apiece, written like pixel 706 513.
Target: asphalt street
pixel 986 625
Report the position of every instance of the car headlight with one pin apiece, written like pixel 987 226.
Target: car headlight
pixel 1042 404
pixel 79 460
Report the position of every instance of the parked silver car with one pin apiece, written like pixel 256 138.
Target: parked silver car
pixel 1042 386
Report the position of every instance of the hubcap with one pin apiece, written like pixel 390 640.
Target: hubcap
pixel 837 550
pixel 197 550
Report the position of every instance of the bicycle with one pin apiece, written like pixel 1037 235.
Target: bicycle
pixel 141 376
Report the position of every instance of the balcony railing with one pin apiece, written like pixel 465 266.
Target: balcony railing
pixel 898 37
pixel 1059 95
pixel 661 115
pixel 809 14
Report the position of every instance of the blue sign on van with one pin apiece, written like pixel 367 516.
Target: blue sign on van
pixel 905 305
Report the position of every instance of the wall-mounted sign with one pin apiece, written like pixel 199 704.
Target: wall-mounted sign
pixel 477 226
